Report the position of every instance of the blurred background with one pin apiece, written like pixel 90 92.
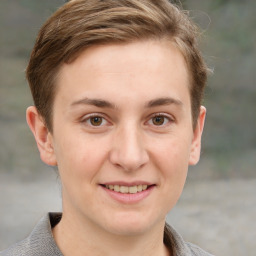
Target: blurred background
pixel 218 207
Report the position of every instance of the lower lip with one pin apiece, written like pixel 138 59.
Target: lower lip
pixel 129 198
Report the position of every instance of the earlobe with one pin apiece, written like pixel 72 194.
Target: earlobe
pixel 42 136
pixel 196 143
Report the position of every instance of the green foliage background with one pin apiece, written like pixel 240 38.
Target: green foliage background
pixel 228 44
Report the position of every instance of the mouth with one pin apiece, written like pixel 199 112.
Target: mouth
pixel 127 189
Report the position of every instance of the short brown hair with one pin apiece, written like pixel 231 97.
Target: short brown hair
pixel 80 24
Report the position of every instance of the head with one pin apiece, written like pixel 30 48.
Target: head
pixel 117 88
pixel 80 24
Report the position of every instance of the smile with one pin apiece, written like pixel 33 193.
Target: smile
pixel 127 189
pixel 126 193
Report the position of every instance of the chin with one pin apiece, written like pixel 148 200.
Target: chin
pixel 132 225
pixel 128 230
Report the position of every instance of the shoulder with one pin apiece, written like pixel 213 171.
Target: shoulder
pixel 22 248
pixel 39 242
pixel 178 246
pixel 196 250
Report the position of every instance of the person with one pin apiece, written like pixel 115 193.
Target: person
pixel 117 89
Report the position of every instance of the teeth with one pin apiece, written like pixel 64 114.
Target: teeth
pixel 144 187
pixel 133 190
pixel 126 189
pixel 116 188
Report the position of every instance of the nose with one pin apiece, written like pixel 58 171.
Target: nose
pixel 128 150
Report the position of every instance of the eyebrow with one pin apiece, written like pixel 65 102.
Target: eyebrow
pixel 162 102
pixel 95 102
pixel 106 104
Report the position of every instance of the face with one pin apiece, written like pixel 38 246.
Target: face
pixel 122 135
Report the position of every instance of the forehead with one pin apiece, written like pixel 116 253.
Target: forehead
pixel 152 52
pixel 144 68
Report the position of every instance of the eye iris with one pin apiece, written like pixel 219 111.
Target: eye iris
pixel 96 120
pixel 158 120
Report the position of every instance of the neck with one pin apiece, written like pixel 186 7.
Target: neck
pixel 76 239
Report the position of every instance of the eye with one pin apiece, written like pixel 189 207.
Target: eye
pixel 160 120
pixel 94 120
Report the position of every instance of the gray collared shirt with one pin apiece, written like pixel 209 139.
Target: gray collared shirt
pixel 41 242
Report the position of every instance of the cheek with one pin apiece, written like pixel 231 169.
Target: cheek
pixel 79 157
pixel 172 153
pixel 174 167
pixel 171 159
pixel 79 165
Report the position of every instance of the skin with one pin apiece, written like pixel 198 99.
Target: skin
pixel 105 131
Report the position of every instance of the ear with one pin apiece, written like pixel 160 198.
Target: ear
pixel 42 136
pixel 196 143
